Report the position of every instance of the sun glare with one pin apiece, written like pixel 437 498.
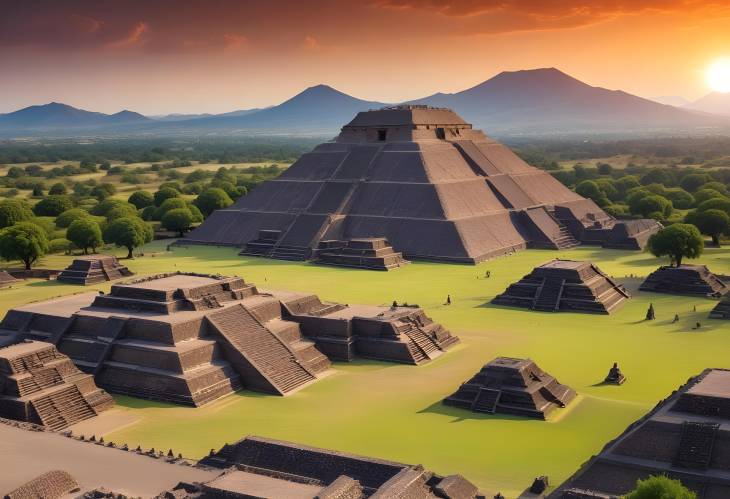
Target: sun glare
pixel 718 75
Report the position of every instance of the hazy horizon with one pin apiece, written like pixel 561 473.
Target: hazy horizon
pixel 218 56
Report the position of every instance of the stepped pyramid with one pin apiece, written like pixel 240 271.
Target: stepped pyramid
pixel 93 269
pixel 565 286
pixel 686 437
pixel 7 280
pixel 512 386
pixel 426 181
pixel 694 280
pixel 42 386
pixel 193 338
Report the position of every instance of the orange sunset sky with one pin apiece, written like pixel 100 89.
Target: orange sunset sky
pixel 163 56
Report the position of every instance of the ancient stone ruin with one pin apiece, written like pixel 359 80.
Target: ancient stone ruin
pixel 49 485
pixel 565 286
pixel 692 280
pixel 615 376
pixel 42 386
pixel 93 269
pixel 685 437
pixel 192 338
pixel 722 309
pixel 372 254
pixel 7 280
pixel 325 474
pixel 512 386
pixel 426 181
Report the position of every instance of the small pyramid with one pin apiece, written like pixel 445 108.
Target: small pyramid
pixel 565 286
pixel 512 386
pixel 691 280
pixel 615 376
pixel 93 269
pixel 7 280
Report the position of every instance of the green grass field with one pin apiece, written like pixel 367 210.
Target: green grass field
pixel 394 411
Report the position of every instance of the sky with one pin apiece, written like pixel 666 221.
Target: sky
pixel 191 56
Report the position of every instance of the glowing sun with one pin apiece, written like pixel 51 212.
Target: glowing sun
pixel 718 75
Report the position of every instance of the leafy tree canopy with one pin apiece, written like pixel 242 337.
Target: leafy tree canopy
pixel 23 241
pixel 677 242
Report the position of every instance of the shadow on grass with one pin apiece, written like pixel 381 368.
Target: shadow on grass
pixel 137 403
pixel 49 284
pixel 460 415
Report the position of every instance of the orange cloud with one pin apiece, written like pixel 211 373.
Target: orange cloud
pixel 133 38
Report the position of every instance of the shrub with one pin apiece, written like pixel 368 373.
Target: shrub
pixel 704 194
pixel 680 198
pixel 141 199
pixel 694 181
pixel 59 245
pixel 660 487
pixel 13 211
pixel 58 189
pixel 164 194
pixel 212 199
pixel 52 206
pixel 69 216
pixel 653 204
pixel 715 204
pixel 170 204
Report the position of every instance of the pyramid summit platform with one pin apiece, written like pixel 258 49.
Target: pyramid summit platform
pixel 426 181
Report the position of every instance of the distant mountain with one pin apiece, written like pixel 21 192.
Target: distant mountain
pixel 715 103
pixel 550 101
pixel 184 117
pixel 671 100
pixel 56 115
pixel 316 109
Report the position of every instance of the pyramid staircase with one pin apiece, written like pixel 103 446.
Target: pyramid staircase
pixel 486 400
pixel 90 348
pixel 548 297
pixel 696 444
pixel 62 408
pixel 261 349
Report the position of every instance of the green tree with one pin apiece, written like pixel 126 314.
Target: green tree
pixel 13 211
pixel 69 216
pixel 121 211
pixel 608 189
pixel 660 487
pixel 179 220
pixel 649 205
pixel 128 232
pixel 589 189
pixel 85 233
pixel 58 189
pixel 715 204
pixel 677 241
pixel 626 183
pixel 213 199
pixel 103 191
pixel 657 176
pixel 710 222
pixel 52 206
pixel 23 241
pixel 165 193
pixel 680 198
pixel 694 181
pixel 169 204
pixel 704 194
pixel 141 199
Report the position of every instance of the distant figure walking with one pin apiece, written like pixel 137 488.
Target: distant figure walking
pixel 697 325
pixel 676 318
pixel 694 309
pixel 650 313
pixel 488 274
pixel 448 299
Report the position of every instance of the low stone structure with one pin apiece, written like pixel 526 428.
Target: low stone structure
pixel 7 280
pixel 371 254
pixel 691 280
pixel 50 485
pixel 512 386
pixel 565 286
pixel 685 437
pixel 615 376
pixel 192 338
pixel 42 386
pixel 93 269
pixel 262 462
pixel 722 309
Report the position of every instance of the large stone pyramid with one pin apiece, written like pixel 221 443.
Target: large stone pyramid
pixel 426 181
